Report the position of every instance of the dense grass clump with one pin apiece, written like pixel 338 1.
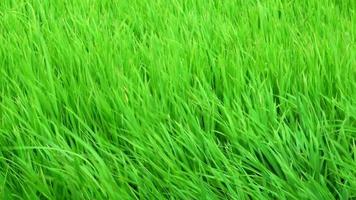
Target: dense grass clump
pixel 177 99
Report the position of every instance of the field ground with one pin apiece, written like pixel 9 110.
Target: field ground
pixel 177 99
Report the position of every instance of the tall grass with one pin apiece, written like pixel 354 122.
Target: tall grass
pixel 177 99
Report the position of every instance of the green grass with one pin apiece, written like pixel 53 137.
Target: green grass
pixel 177 99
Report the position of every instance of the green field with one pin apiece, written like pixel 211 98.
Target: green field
pixel 178 99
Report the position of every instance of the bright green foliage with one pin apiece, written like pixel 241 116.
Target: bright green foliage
pixel 177 99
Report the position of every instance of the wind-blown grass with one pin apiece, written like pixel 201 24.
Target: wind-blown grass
pixel 177 99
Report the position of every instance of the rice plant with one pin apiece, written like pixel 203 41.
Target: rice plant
pixel 177 99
